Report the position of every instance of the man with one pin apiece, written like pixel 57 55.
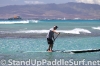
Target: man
pixel 50 37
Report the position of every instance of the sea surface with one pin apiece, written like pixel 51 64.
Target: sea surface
pixel 25 40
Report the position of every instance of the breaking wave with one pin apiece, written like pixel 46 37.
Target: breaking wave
pixel 18 22
pixel 74 31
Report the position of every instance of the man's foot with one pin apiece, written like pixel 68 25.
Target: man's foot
pixel 50 50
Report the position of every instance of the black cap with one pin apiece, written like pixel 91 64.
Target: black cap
pixel 55 26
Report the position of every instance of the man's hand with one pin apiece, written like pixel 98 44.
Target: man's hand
pixel 59 33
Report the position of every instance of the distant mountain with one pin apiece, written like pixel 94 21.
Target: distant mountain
pixel 52 11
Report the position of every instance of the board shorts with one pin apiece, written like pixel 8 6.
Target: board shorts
pixel 50 41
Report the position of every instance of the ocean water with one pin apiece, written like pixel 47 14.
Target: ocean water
pixel 25 40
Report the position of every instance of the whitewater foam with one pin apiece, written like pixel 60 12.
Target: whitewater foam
pixel 74 31
pixel 32 31
pixel 14 22
pixel 19 22
pixel 33 21
pixel 97 28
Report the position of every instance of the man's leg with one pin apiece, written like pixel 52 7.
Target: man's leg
pixel 50 47
pixel 50 42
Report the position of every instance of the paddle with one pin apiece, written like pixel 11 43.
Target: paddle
pixel 56 37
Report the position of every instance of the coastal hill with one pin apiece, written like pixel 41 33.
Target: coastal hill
pixel 52 11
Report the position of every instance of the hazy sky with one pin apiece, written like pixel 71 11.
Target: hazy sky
pixel 22 2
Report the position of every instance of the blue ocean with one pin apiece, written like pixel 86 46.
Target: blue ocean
pixel 24 43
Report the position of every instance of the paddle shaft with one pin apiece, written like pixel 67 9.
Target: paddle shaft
pixel 56 37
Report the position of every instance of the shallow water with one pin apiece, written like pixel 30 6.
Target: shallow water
pixel 26 41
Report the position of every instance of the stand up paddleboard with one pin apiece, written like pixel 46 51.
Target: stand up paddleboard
pixel 78 51
pixel 68 51
pixel 83 51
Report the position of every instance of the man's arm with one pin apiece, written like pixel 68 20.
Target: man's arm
pixel 55 32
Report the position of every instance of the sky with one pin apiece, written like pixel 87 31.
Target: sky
pixel 23 2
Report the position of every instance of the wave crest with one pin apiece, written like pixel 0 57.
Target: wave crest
pixel 19 22
pixel 74 31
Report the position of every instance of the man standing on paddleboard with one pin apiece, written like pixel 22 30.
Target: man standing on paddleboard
pixel 50 37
